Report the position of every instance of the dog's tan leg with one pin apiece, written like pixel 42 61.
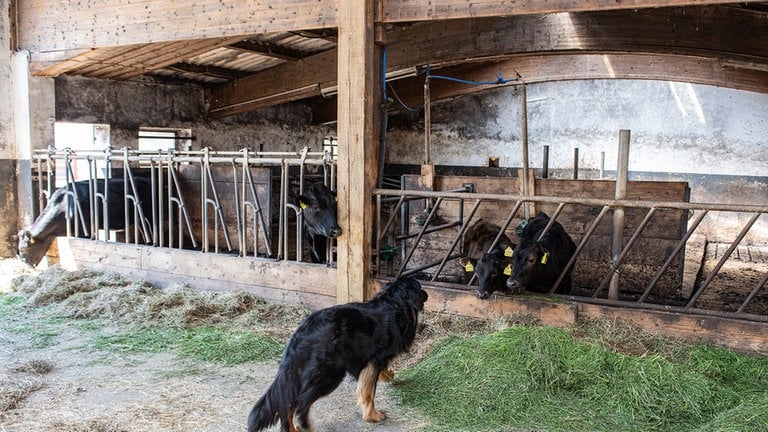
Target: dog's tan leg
pixel 386 375
pixel 291 425
pixel 366 391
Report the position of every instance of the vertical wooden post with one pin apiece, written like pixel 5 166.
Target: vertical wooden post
pixel 524 138
pixel 575 163
pixel 622 174
pixel 359 98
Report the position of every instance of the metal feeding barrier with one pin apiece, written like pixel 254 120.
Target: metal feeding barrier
pixel 247 213
pixel 394 203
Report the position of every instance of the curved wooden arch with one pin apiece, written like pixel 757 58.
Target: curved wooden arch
pixel 715 45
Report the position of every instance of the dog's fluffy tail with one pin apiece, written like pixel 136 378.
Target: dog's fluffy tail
pixel 274 404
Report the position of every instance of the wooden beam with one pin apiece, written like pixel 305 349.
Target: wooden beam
pixel 741 335
pixel 739 45
pixel 410 10
pixel 213 71
pixel 358 126
pixel 50 26
pixel 47 25
pixel 576 66
pixel 269 50
pixel 275 281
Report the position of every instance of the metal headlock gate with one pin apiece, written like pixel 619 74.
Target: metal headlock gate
pixel 395 203
pixel 169 223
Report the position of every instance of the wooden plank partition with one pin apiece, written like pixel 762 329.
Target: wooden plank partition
pixel 313 286
pixel 741 335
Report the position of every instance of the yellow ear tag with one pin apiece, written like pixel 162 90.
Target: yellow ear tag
pixel 302 205
pixel 469 268
pixel 545 258
pixel 508 252
pixel 508 269
pixel 31 241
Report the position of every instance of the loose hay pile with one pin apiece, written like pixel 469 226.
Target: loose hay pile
pixel 105 295
pixel 20 381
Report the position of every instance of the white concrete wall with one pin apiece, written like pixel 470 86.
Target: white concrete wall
pixel 676 127
pixel 714 138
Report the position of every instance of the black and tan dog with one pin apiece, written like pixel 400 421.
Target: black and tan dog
pixel 356 338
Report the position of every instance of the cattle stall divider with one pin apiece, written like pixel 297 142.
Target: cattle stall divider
pixel 235 206
pixel 392 202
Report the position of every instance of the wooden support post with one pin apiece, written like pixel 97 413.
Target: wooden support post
pixel 524 137
pixel 622 174
pixel 359 98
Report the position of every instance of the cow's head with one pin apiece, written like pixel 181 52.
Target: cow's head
pixel 491 269
pixel 530 262
pixel 30 249
pixel 318 206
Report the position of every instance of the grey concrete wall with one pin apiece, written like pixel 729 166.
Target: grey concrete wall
pixel 715 138
pixel 127 106
pixel 8 203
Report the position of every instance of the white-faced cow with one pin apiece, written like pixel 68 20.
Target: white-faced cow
pixel 538 262
pixel 318 204
pixel 35 240
pixel 491 267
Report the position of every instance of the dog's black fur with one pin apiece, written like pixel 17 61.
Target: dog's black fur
pixel 356 338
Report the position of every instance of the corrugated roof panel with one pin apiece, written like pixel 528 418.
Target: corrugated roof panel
pixel 235 59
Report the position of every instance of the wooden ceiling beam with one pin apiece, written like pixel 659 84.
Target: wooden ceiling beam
pixel 534 68
pixel 53 26
pixel 677 31
pixel 213 71
pixel 269 50
pixel 428 10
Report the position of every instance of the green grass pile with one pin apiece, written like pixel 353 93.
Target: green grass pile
pixel 535 378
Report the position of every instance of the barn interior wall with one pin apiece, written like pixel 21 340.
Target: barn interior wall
pixel 8 214
pixel 714 138
pixel 129 105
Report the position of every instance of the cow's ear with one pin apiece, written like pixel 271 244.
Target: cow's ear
pixel 543 256
pixel 303 201
pixel 507 249
pixel 468 264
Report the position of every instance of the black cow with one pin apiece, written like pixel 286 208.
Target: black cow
pixel 318 204
pixel 35 240
pixel 539 262
pixel 492 268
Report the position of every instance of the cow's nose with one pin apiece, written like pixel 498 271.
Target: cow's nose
pixel 335 232
pixel 481 294
pixel 511 284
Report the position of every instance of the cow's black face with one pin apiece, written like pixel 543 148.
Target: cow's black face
pixel 490 275
pixel 527 262
pixel 319 211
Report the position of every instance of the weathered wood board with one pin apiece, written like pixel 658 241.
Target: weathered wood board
pixel 741 335
pixel 313 286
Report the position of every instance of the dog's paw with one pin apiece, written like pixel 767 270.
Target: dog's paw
pixel 374 416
